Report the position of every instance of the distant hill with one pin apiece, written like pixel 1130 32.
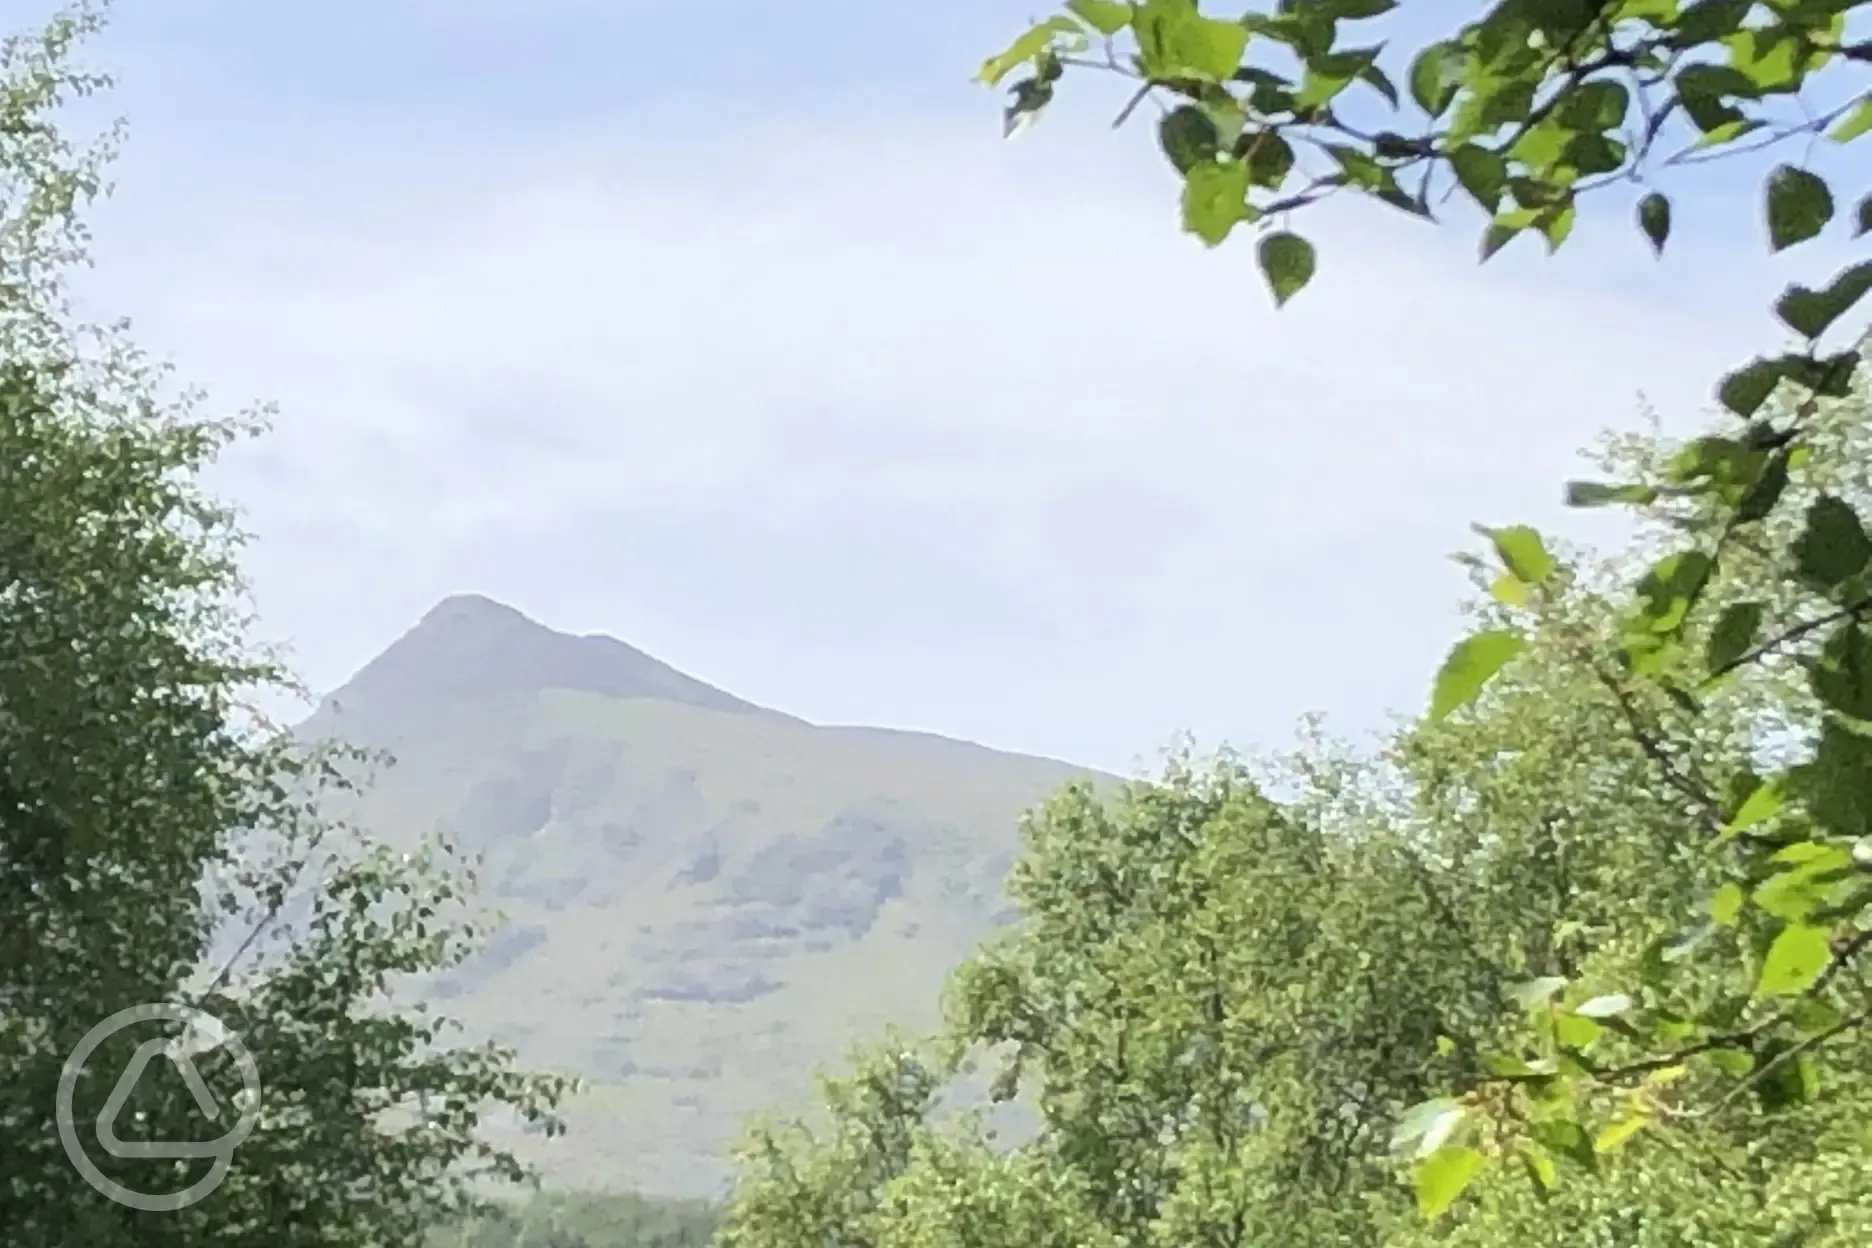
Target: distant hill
pixel 707 898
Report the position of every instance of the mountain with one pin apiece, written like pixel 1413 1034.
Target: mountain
pixel 707 899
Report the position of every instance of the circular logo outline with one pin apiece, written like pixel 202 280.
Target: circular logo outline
pixel 222 1150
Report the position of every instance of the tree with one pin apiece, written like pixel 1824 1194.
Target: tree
pixel 586 1220
pixel 1525 110
pixel 145 807
pixel 1635 816
pixel 1236 989
pixel 825 1182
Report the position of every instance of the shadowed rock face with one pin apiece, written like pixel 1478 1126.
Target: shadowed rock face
pixel 706 899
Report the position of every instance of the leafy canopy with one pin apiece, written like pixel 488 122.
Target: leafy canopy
pixel 1524 111
pixel 159 840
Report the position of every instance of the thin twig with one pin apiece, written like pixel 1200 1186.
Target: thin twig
pixel 1791 636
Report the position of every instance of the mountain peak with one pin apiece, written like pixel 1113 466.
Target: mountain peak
pixel 471 649
pixel 472 608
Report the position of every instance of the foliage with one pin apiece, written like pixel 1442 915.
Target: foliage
pixel 1524 110
pixel 1242 995
pixel 586 1220
pixel 818 1183
pixel 146 805
pixel 1756 995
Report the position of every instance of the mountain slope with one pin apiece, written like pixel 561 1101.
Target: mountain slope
pixel 707 899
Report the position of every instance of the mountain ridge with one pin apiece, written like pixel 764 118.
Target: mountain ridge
pixel 452 648
pixel 706 898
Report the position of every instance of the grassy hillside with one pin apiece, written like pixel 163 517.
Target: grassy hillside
pixel 706 899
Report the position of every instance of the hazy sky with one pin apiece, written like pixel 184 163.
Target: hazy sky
pixel 733 330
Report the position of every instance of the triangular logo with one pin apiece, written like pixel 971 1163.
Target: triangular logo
pixel 126 1084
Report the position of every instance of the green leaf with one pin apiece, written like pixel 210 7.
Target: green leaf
pixel 1734 633
pixel 1841 676
pixel 1794 961
pixel 1380 82
pixel 1769 57
pixel 1566 1139
pixel 1710 19
pixel 1833 784
pixel 1788 1081
pixel 1540 149
pixel 1794 895
pixel 1727 132
pixel 1762 804
pixel 1442 1176
pixel 1862 217
pixel 1725 463
pixel 1507 1066
pixel 1833 547
pixel 1492 104
pixel 1539 1167
pixel 1588 154
pixel 1496 236
pixel 1287 263
pixel 1189 138
pixel 1556 223
pixel 1522 552
pixel 1830 375
pixel 1502 231
pixel 1654 218
pixel 1596 494
pixel 1230 121
pixel 1595 105
pixel 1817 855
pixel 1359 167
pixel 1854 123
pixel 1760 499
pixel 1672 1027
pixel 1215 199
pixel 1712 85
pixel 1037 39
pixel 1576 1031
pixel 1104 16
pixel 1434 78
pixel 1176 41
pixel 1030 96
pixel 1269 157
pixel 1470 665
pixel 1732 1061
pixel 1810 313
pixel 1747 388
pixel 1326 76
pixel 1509 590
pixel 1482 172
pixel 1813 1016
pixel 1713 117
pixel 1616 1133
pixel 1799 206
pixel 1726 905
pixel 1671 588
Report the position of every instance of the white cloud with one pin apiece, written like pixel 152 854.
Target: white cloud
pixel 892 425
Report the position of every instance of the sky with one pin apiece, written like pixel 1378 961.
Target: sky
pixel 736 331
